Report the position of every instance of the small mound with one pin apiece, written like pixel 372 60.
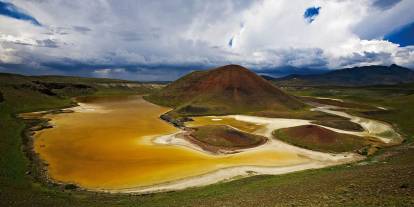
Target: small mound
pixel 221 137
pixel 321 139
pixel 338 123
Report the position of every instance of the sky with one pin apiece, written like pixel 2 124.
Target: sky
pixel 162 40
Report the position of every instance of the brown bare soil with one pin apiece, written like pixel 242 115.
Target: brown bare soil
pixel 222 138
pixel 227 89
pixel 321 139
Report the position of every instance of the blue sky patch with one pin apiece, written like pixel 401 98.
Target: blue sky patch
pixel 311 13
pixel 10 10
pixel 403 36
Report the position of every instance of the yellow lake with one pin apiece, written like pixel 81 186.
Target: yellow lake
pixel 221 120
pixel 106 144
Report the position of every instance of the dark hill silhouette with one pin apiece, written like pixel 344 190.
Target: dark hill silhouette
pixel 357 76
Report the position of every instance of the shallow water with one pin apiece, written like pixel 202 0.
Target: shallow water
pixel 106 144
pixel 224 120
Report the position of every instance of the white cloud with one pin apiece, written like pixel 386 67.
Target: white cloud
pixel 273 33
pixel 379 22
pixel 104 71
pixel 109 72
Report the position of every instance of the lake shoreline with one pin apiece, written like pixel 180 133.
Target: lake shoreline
pixel 227 175
pixel 38 167
pixel 204 179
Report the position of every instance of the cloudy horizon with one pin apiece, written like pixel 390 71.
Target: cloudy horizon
pixel 161 40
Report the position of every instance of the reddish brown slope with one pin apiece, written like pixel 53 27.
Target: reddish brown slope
pixel 227 89
pixel 321 139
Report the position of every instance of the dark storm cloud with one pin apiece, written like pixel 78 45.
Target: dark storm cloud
pixel 82 29
pixel 142 72
pixel 38 43
pixel 367 58
pixel 47 43
pixel 385 4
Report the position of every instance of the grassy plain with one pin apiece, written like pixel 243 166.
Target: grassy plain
pixel 386 179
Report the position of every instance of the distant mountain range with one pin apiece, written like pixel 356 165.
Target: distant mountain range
pixel 357 76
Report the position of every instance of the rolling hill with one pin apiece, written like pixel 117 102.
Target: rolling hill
pixel 223 90
pixel 37 90
pixel 357 76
